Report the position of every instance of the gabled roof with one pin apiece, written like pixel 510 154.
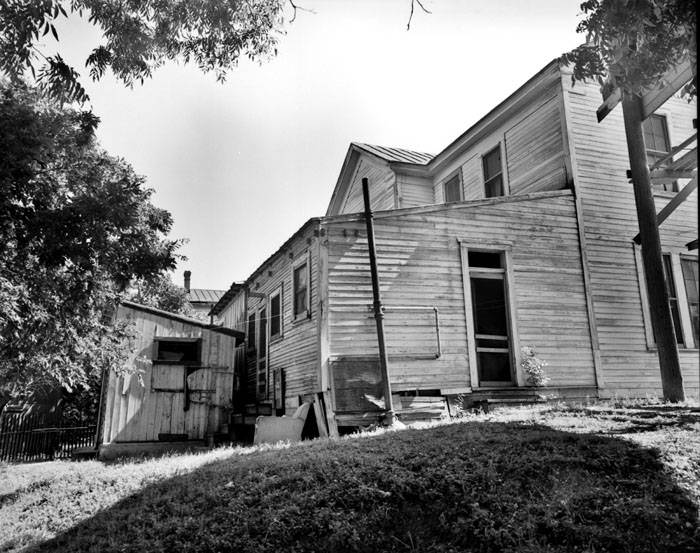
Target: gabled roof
pixel 396 154
pixel 225 299
pixel 204 295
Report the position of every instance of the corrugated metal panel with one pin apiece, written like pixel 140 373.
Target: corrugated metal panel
pixel 202 294
pixel 397 154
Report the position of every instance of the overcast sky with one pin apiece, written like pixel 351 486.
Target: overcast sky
pixel 242 165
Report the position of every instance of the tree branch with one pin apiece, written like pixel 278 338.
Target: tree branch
pixel 410 17
pixel 300 8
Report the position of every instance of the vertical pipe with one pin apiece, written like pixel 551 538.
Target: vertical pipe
pixel 378 309
pixel 671 378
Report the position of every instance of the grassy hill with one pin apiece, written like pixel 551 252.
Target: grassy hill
pixel 527 480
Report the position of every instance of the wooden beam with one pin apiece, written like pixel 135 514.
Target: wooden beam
pixel 675 150
pixel 671 82
pixel 692 245
pixel 659 307
pixel 671 206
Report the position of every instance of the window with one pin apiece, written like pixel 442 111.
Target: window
pixel 302 306
pixel 681 283
pixel 690 279
pixel 452 188
pixel 276 314
pixel 177 351
pixel 672 298
pixel 262 333
pixel 262 354
pixel 251 331
pixel 658 146
pixel 493 173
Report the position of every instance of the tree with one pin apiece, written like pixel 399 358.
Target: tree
pixel 631 45
pixel 77 228
pixel 139 36
pixel 162 293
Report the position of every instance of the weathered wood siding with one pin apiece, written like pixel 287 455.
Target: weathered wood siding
pixel 414 191
pixel 296 351
pixel 599 161
pixel 382 182
pixel 532 151
pixel 234 316
pixel 419 267
pixel 134 412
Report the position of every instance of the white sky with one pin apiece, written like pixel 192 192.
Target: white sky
pixel 242 165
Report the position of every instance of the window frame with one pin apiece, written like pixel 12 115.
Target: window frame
pixel 460 186
pixel 157 340
pixel 504 187
pixel 671 187
pixel 305 258
pixel 685 257
pixel 688 343
pixel 277 292
pixel 251 344
pixel 261 356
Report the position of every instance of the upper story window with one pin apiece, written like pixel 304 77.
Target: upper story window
pixel 658 146
pixel 689 268
pixel 251 331
pixel 262 334
pixel 452 188
pixel 276 314
pixel 301 288
pixel 493 173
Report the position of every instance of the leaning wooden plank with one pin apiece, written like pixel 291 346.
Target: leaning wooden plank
pixel 330 415
pixel 320 418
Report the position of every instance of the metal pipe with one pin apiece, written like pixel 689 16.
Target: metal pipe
pixel 378 310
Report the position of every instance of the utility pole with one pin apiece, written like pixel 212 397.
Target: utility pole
pixel 662 322
pixel 378 309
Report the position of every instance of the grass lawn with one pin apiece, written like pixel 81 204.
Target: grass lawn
pixel 553 478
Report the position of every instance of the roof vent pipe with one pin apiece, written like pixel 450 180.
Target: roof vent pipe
pixel 187 275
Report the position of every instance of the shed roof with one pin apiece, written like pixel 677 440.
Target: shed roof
pixel 204 295
pixel 396 154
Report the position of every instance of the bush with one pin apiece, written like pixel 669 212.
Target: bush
pixel 533 367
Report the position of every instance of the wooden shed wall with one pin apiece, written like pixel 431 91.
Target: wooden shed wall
pixel 532 151
pixel 419 266
pixel 600 160
pixel 234 316
pixel 297 350
pixel 382 182
pixel 134 412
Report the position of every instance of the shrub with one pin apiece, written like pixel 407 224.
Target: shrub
pixel 533 367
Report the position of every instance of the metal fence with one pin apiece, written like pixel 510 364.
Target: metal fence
pixel 28 437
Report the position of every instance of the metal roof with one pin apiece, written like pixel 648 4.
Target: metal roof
pixel 397 154
pixel 204 295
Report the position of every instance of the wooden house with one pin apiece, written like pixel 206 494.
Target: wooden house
pixel 181 388
pixel 519 233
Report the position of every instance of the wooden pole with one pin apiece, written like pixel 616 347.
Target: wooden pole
pixel 662 322
pixel 378 309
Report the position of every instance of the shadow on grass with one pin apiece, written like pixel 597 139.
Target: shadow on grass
pixel 464 487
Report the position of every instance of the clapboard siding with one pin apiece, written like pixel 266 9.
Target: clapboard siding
pixel 600 161
pixel 420 267
pixel 414 191
pixel 234 315
pixel 532 151
pixel 297 350
pixel 134 412
pixel 382 182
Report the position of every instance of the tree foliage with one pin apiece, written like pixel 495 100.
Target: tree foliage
pixel 162 293
pixel 630 44
pixel 138 37
pixel 77 228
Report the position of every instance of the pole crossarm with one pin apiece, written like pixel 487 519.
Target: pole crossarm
pixel 672 205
